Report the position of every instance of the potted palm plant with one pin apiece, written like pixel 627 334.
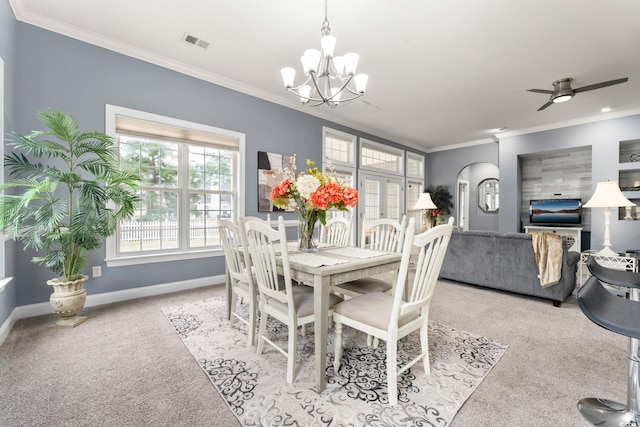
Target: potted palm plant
pixel 62 209
pixel 442 199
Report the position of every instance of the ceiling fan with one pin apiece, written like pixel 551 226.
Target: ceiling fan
pixel 562 90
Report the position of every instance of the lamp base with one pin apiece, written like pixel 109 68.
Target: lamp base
pixel 607 251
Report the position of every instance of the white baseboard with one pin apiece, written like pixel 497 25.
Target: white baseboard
pixel 5 328
pixel 40 309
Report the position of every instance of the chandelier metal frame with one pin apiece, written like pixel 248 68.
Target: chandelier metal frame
pixel 328 77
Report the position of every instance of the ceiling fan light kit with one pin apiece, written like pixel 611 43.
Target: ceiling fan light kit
pixel 329 77
pixel 563 92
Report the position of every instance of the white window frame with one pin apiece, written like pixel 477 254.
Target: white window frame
pixel 414 181
pixel 345 168
pixel 3 279
pixel 339 165
pixel 113 259
pixel 386 149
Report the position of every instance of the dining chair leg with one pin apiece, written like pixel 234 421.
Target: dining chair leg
pixel 263 331
pixel 291 354
pixel 232 309
pixel 252 323
pixel 369 340
pixel 337 346
pixel 424 344
pixel 392 370
pixel 303 330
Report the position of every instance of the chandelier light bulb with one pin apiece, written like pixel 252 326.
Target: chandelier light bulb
pixel 361 82
pixel 351 62
pixel 328 44
pixel 310 60
pixel 288 74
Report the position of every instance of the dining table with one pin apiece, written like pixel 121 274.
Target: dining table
pixel 330 266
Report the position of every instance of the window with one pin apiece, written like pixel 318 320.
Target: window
pixel 415 184
pixel 339 148
pixel 190 175
pixel 381 158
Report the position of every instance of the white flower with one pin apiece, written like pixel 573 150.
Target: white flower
pixel 306 185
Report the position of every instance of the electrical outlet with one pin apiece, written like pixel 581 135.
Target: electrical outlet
pixel 97 271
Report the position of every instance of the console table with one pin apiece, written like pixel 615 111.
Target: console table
pixel 569 232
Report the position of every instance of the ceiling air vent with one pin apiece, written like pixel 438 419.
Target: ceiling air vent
pixel 196 41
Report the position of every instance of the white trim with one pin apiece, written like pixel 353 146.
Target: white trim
pixel 346 137
pixel 568 123
pixel 43 308
pixel 464 144
pixel 153 258
pixel 364 142
pixel 6 327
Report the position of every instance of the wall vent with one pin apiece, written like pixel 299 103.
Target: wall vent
pixel 195 41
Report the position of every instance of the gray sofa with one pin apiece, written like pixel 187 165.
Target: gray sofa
pixel 505 262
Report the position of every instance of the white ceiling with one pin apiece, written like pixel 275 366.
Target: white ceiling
pixel 441 72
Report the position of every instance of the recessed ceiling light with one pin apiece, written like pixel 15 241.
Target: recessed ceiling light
pixel 500 129
pixel 605 109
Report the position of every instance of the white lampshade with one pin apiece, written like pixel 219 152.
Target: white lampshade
pixel 351 62
pixel 608 195
pixel 424 202
pixel 328 44
pixel 361 82
pixel 310 60
pixel 288 74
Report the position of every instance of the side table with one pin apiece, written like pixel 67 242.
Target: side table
pixel 618 262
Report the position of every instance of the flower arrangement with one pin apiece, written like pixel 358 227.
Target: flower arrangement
pixel 310 195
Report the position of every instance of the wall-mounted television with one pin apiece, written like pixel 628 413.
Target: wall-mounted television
pixel 555 211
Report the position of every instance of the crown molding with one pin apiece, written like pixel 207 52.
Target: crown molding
pixel 568 123
pixel 464 145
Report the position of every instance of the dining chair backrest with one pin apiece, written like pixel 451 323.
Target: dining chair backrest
pixel 236 253
pixel 266 245
pixel 337 231
pixel 247 218
pixel 430 247
pixel 383 234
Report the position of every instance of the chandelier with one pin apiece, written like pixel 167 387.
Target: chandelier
pixel 329 78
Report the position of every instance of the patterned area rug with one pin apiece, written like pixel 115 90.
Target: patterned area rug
pixel 255 387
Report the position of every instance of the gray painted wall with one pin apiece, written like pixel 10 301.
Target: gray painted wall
pixel 443 168
pixel 8 54
pixel 603 137
pixel 79 78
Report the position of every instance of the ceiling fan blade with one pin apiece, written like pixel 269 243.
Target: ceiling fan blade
pixel 540 91
pixel 545 106
pixel 600 85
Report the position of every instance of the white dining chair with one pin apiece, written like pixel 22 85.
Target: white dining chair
pixel 242 282
pixel 379 234
pixel 392 317
pixel 291 304
pixel 336 231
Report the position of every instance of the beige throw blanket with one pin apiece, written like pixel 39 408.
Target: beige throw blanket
pixel 547 248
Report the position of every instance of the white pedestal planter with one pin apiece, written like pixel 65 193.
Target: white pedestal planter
pixel 66 300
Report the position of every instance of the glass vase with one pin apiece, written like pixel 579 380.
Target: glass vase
pixel 307 228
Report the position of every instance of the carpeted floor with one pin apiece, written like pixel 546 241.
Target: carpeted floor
pixel 125 367
pixel 255 389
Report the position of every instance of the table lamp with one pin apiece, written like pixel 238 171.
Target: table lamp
pixel 607 196
pixel 424 204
